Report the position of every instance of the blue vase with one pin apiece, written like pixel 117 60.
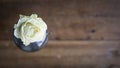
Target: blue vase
pixel 32 47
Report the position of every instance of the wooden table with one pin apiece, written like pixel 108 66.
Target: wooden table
pixel 83 34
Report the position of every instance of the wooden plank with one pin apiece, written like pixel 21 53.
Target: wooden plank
pixel 67 20
pixel 60 54
pixel 33 1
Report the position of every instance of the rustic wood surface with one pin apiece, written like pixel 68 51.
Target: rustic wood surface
pixel 60 54
pixel 83 34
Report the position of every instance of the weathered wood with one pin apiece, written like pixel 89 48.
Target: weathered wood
pixel 87 34
pixel 67 20
pixel 57 54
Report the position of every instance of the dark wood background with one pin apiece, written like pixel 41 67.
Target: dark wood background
pixel 83 34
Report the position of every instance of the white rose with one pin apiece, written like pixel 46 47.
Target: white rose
pixel 30 29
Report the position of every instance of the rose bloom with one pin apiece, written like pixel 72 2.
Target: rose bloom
pixel 30 29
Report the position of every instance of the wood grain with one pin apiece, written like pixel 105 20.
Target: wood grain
pixel 67 20
pixel 83 34
pixel 57 54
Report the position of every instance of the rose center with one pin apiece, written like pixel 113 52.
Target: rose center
pixel 30 30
